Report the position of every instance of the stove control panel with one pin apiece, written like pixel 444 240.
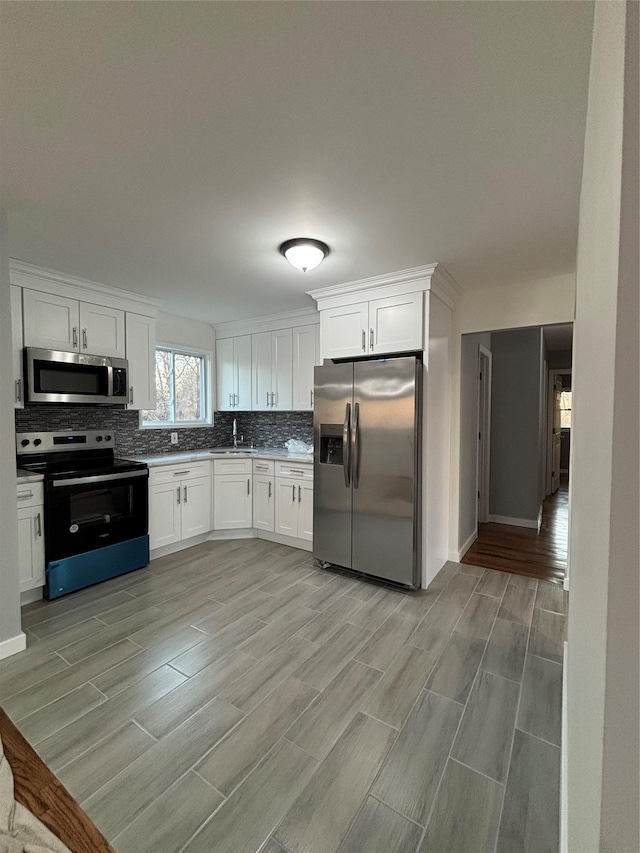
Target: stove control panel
pixel 51 442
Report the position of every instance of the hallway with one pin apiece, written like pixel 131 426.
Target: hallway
pixel 525 551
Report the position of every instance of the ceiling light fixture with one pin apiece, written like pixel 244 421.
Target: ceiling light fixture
pixel 304 253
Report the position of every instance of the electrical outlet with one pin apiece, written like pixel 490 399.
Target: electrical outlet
pixel 174 438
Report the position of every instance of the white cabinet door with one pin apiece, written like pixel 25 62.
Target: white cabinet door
pixel 242 364
pixel 305 511
pixel 141 355
pixel 305 357
pixel 196 506
pixel 51 322
pixel 286 514
pixel 281 369
pixel 344 331
pixel 16 343
pixel 395 324
pixel 232 501
pixel 165 503
pixel 225 373
pixel 101 330
pixel 263 502
pixel 261 383
pixel 30 548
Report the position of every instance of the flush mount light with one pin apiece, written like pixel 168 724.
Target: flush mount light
pixel 304 253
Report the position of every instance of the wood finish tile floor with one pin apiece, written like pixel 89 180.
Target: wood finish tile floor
pixel 233 697
pixel 539 554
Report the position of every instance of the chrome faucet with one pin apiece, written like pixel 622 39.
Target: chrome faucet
pixel 235 432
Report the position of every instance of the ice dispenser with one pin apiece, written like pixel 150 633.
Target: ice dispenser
pixel 331 444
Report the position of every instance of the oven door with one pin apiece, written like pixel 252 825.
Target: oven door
pixel 85 513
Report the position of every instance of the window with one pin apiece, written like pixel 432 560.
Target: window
pixel 181 389
pixel 565 410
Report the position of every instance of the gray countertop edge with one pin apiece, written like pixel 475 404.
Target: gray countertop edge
pixel 178 458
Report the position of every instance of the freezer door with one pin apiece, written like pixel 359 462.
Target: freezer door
pixel 333 406
pixel 386 469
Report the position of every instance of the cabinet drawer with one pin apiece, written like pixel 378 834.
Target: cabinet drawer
pixel 30 494
pixel 263 466
pixel 299 471
pixel 232 466
pixel 172 473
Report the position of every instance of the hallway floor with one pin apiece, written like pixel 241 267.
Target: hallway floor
pixel 234 697
pixel 541 555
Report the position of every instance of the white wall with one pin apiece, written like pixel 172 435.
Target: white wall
pixel 179 331
pixel 602 744
pixel 538 303
pixel 11 637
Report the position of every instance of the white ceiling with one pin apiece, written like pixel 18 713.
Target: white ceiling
pixel 169 148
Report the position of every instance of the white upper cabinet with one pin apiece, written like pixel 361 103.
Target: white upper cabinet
pixel 395 323
pixel 343 331
pixel 306 349
pixel 51 321
pixel 102 330
pixel 233 373
pixel 272 370
pixel 389 325
pixel 140 340
pixel 16 342
pixel 60 323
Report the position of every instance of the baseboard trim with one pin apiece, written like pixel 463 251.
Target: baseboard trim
pixel 241 533
pixel 301 544
pixel 177 546
pixel 13 645
pixel 515 522
pixel 564 783
pixel 31 595
pixel 463 550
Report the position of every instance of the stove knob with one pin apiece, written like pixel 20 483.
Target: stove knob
pixel 24 442
pixel 98 438
pixel 107 438
pixel 37 441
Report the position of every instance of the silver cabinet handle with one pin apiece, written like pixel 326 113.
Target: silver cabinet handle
pixel 371 339
pixel 230 401
pixel 25 496
pixel 267 398
pixel 130 394
pixel 236 400
pixel 311 394
pixel 178 495
pixel 269 494
pixel 180 473
pixel 299 493
pixel 18 390
pixel 293 496
pixel 248 485
pixel 39 525
pixel 185 494
pixel 364 341
pixel 84 339
pixel 74 336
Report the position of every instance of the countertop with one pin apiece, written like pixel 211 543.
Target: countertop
pixel 275 453
pixel 28 477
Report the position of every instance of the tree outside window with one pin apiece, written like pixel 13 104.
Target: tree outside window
pixel 180 389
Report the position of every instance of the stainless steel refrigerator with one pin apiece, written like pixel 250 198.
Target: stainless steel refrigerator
pixel 366 488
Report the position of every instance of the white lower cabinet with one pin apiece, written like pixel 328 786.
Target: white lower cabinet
pixel 30 536
pixel 263 495
pixel 294 500
pixel 232 494
pixel 179 503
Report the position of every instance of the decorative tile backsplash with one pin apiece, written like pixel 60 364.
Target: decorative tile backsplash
pixel 263 429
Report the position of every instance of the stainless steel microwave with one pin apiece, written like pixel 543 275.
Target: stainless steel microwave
pixel 71 377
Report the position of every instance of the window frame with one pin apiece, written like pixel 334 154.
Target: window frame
pixel 205 385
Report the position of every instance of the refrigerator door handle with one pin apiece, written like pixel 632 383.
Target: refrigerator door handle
pixel 355 441
pixel 346 445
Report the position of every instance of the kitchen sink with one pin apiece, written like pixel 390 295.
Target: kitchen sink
pixel 234 452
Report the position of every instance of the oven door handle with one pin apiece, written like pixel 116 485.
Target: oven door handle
pixel 100 478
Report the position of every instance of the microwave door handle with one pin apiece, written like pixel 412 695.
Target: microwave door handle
pixel 346 445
